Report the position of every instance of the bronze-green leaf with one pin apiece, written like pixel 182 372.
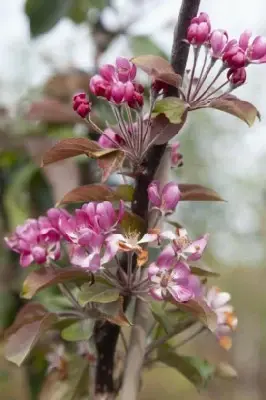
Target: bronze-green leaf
pixel 80 330
pixel 239 108
pixel 197 371
pixel 30 323
pixel 114 313
pixel 199 309
pixel 45 277
pixel 72 147
pixel 172 107
pixel 98 192
pixel 98 293
pixel 132 223
pixel 110 163
pixel 158 68
pixel 194 192
pixel 202 270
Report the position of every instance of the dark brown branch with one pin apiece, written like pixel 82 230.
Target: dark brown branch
pixel 104 383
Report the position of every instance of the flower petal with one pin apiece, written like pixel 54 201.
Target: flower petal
pixel 180 293
pixel 157 293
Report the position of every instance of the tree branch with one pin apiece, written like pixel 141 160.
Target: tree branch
pixel 106 346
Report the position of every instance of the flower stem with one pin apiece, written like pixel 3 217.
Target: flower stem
pixel 196 56
pixel 200 84
pixel 212 82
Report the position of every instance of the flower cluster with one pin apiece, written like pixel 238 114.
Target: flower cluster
pixel 235 55
pixel 38 240
pixel 170 275
pixel 116 84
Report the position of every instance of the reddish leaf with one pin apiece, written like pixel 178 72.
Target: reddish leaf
pixel 110 163
pixel 200 310
pixel 164 130
pixel 44 277
pixel 31 322
pixel 203 271
pixel 239 108
pixel 52 111
pixel 98 192
pixel 158 68
pixel 195 192
pixel 67 148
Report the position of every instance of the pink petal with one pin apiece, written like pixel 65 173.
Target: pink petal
pixel 166 258
pixel 25 259
pixel 194 284
pixel 157 293
pixel 153 270
pixel 153 193
pixel 220 300
pixel 39 254
pixel 180 271
pixel 180 293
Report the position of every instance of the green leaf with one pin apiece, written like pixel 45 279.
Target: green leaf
pixel 132 223
pixel 124 192
pixel 98 293
pixel 30 323
pixel 16 196
pixel 71 388
pixel 43 278
pixel 44 14
pixel 239 108
pixel 172 107
pixel 81 330
pixel 160 315
pixel 197 371
pixel 142 45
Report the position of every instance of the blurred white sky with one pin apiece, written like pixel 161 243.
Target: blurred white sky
pixel 235 159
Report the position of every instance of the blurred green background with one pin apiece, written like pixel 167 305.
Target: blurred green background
pixel 49 48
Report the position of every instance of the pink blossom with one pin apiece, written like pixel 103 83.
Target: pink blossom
pixel 101 218
pixel 126 70
pixel 110 139
pixel 166 199
pixel 237 76
pixel 218 41
pixel 169 278
pixel 81 104
pixel 234 57
pixel 257 51
pixel 226 320
pixel 36 241
pixel 244 39
pixel 199 30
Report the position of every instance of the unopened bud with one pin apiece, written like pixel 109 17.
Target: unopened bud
pixel 235 57
pixel 81 104
pixel 237 76
pixel 218 41
pixel 258 49
pixel 199 29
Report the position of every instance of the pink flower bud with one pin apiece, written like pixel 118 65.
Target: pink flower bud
pixel 170 196
pixel 153 193
pixel 199 29
pixel 218 41
pixel 237 76
pixel 126 71
pixel 167 199
pixel 258 49
pixel 81 104
pixel 107 71
pixel 137 101
pixel 235 57
pixel 118 92
pixel 99 86
pixel 138 87
pixel 129 92
pixel 244 39
pixel 114 141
